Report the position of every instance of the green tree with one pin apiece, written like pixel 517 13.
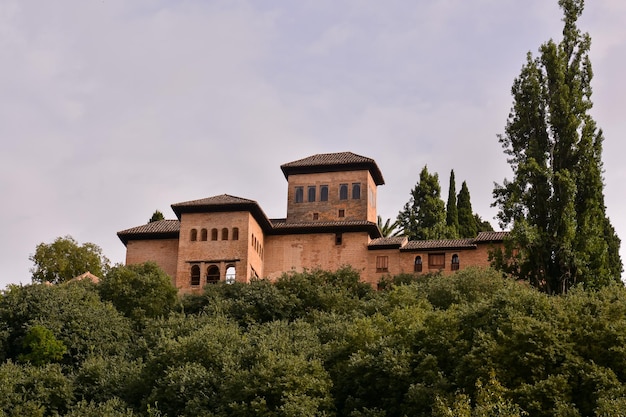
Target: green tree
pixel 388 229
pixel 424 215
pixel 555 202
pixel 42 346
pixel 139 291
pixel 482 225
pixel 65 259
pixel 467 222
pixel 452 214
pixel 156 216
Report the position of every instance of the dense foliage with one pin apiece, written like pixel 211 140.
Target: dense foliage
pixel 315 344
pixel 425 216
pixel 65 259
pixel 561 234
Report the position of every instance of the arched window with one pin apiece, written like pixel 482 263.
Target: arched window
pixel 311 192
pixel 195 275
pixel 343 192
pixel 356 191
pixel 235 233
pixel 230 274
pixel 193 235
pixel 213 234
pixel 299 194
pixel 455 262
pixel 224 234
pixel 418 264
pixel 212 275
pixel 203 235
pixel 323 192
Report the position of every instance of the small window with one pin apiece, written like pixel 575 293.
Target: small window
pixel 418 264
pixel 343 191
pixel 203 235
pixel 195 275
pixel 454 265
pixel 338 239
pixel 235 233
pixel 193 235
pixel 213 234
pixel 316 216
pixel 342 213
pixel 436 260
pixel 356 191
pixel 230 274
pixel 323 192
pixel 382 264
pixel 311 194
pixel 299 194
pixel 212 275
pixel 224 234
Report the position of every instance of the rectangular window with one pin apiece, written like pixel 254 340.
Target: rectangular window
pixel 382 264
pixel 316 216
pixel 342 213
pixel 436 260
pixel 299 194
pixel 311 193
pixel 323 192
pixel 338 239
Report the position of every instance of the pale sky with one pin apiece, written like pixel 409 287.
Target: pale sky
pixel 112 109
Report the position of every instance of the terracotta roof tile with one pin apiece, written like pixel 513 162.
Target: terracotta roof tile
pixel 388 242
pixel 283 227
pixel 491 236
pixel 440 244
pixel 330 162
pixel 215 201
pixel 161 229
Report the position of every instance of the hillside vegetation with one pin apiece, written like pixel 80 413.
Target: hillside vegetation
pixel 312 344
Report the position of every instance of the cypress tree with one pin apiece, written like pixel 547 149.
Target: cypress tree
pixel 424 215
pixel 467 221
pixel 452 215
pixel 555 202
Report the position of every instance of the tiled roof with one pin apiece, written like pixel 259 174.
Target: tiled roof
pixel 161 229
pixel 223 203
pixel 388 242
pixel 217 200
pixel 330 162
pixel 280 226
pixel 491 236
pixel 440 244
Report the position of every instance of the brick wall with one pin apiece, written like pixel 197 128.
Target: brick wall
pixel 162 251
pixel 354 209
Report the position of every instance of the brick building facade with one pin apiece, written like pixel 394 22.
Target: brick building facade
pixel 331 222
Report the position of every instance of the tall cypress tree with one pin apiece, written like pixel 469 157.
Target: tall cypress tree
pixel 424 215
pixel 452 215
pixel 467 221
pixel 555 203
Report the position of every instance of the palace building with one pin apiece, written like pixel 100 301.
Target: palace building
pixel 331 222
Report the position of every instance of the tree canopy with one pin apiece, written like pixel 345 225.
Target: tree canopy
pixel 560 234
pixel 65 259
